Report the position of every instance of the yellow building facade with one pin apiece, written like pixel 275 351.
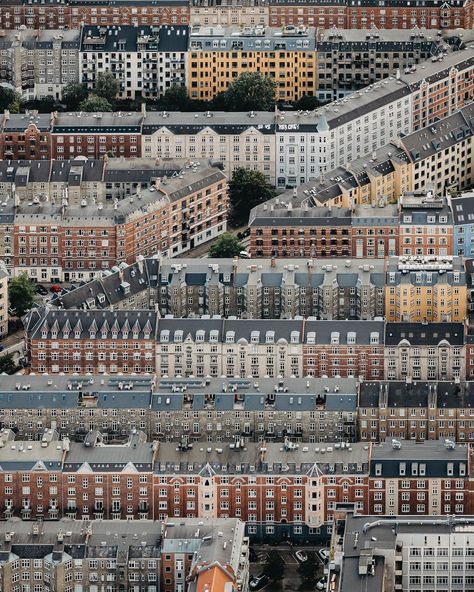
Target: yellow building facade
pixel 218 56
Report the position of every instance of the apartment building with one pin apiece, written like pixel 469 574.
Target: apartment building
pixel 243 14
pixel 177 410
pixel 120 341
pixel 103 180
pixel 39 63
pixel 218 55
pixel 431 15
pixel 57 15
pixel 235 139
pixel 95 135
pixel 189 348
pixel 146 60
pixel 289 147
pixel 25 136
pixel 349 59
pixel 58 241
pixel 272 288
pixel 431 480
pixel 350 15
pixel 425 289
pixel 425 225
pixel 373 552
pixel 149 553
pixel 441 154
pixel 415 411
pixel 429 351
pixel 4 303
pixel 344 349
pixel 462 206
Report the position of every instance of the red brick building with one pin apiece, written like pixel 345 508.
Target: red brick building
pixel 343 348
pixel 59 15
pixel 25 136
pixel 96 342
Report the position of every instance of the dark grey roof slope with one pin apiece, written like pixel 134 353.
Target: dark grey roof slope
pixel 424 333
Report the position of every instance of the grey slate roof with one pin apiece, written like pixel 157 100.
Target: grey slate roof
pixel 424 334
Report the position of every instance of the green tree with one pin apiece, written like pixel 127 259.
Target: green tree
pixel 307 103
pixel 9 100
pixel 93 103
pixel 21 292
pixel 107 86
pixel 45 104
pixel 251 91
pixel 247 189
pixel 309 572
pixel 274 566
pixel 227 245
pixel 175 99
pixel 73 95
pixel 7 364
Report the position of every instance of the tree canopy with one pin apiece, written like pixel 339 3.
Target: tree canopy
pixel 9 100
pixel 251 91
pixel 21 292
pixel 175 99
pixel 227 245
pixel 94 104
pixel 7 364
pixel 73 95
pixel 274 566
pixel 107 86
pixel 247 189
pixel 307 103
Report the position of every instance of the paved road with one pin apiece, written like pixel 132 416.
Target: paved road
pixel 13 339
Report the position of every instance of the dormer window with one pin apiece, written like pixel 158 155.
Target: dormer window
pixel 77 334
pixel 374 338
pixel 135 335
pixel 92 334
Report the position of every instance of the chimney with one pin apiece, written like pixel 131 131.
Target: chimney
pixel 273 262
pixel 6 115
pixel 143 109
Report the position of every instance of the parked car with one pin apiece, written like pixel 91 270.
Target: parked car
pixel 244 255
pixel 301 556
pixel 55 288
pixel 2 347
pixel 323 554
pixel 41 290
pixel 322 583
pixel 258 582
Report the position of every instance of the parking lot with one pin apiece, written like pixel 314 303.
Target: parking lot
pixel 292 580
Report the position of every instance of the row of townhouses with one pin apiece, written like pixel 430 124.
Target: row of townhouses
pixel 290 147
pixel 149 60
pixel 408 288
pixel 347 14
pixel 70 233
pixel 231 410
pixel 45 231
pixel 151 555
pixel 290 489
pixel 138 341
